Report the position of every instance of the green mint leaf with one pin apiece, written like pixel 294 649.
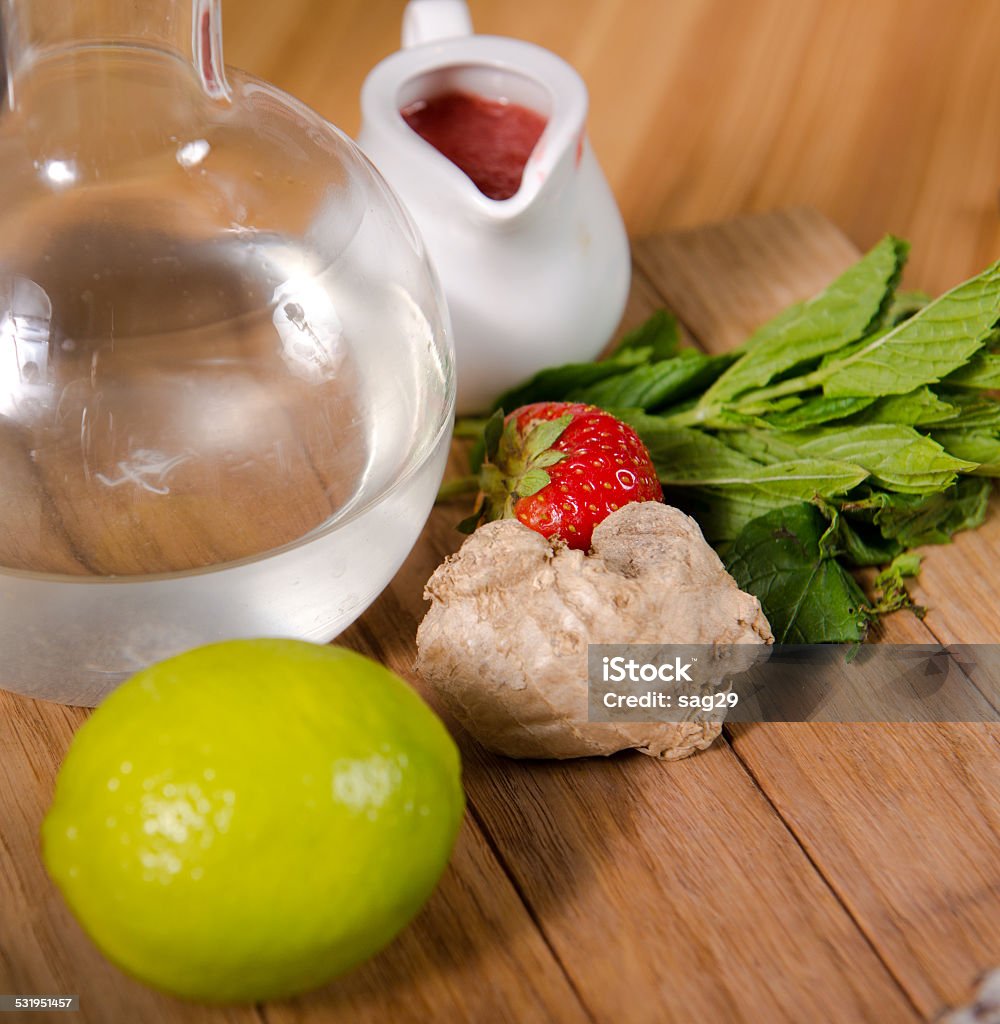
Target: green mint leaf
pixel 972 412
pixel 807 596
pixel 903 306
pixel 980 447
pixel 764 446
pixel 659 334
pixel 848 350
pixel 682 453
pixel 723 512
pixel 914 519
pixel 655 385
pixel 861 543
pixel 802 479
pixel 905 565
pixel 815 411
pixel 916 408
pixel 844 312
pixel 685 457
pixel 891 590
pixel 556 383
pixel 930 345
pixel 898 457
pixel 982 372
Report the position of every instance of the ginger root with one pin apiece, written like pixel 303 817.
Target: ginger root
pixel 505 640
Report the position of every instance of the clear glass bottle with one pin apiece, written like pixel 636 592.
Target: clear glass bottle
pixel 226 380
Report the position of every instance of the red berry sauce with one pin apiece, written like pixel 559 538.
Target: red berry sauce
pixel 489 140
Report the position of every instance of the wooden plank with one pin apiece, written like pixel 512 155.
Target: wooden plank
pixel 904 820
pixel 673 893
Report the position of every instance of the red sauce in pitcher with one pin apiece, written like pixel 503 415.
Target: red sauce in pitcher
pixel 489 140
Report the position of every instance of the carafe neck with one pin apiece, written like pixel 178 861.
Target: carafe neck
pixel 33 31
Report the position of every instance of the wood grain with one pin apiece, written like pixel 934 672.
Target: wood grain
pixel 903 820
pixel 879 113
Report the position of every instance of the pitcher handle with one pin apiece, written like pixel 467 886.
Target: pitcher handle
pixel 428 21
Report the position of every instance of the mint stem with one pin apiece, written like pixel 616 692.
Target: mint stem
pixel 706 416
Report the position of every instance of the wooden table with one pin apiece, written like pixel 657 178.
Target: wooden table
pixel 791 873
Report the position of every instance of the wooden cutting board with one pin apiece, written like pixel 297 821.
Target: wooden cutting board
pixel 799 873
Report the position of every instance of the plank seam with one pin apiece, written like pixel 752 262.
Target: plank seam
pixel 529 909
pixel 828 882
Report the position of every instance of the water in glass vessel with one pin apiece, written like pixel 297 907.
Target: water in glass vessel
pixel 225 369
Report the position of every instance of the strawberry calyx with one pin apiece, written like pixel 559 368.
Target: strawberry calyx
pixel 514 464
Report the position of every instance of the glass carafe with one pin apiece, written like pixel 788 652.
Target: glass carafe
pixel 226 379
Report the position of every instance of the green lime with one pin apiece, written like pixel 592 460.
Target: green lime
pixel 250 819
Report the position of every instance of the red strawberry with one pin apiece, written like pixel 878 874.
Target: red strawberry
pixel 562 467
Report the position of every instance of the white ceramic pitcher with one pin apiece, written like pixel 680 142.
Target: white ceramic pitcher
pixel 534 280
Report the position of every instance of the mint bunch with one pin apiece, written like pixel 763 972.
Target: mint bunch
pixel 844 432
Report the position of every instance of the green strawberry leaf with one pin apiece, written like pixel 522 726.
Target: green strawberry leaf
pixel 531 483
pixel 491 434
pixel 470 523
pixel 548 458
pixel 543 435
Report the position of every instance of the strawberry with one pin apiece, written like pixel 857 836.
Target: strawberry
pixel 561 468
